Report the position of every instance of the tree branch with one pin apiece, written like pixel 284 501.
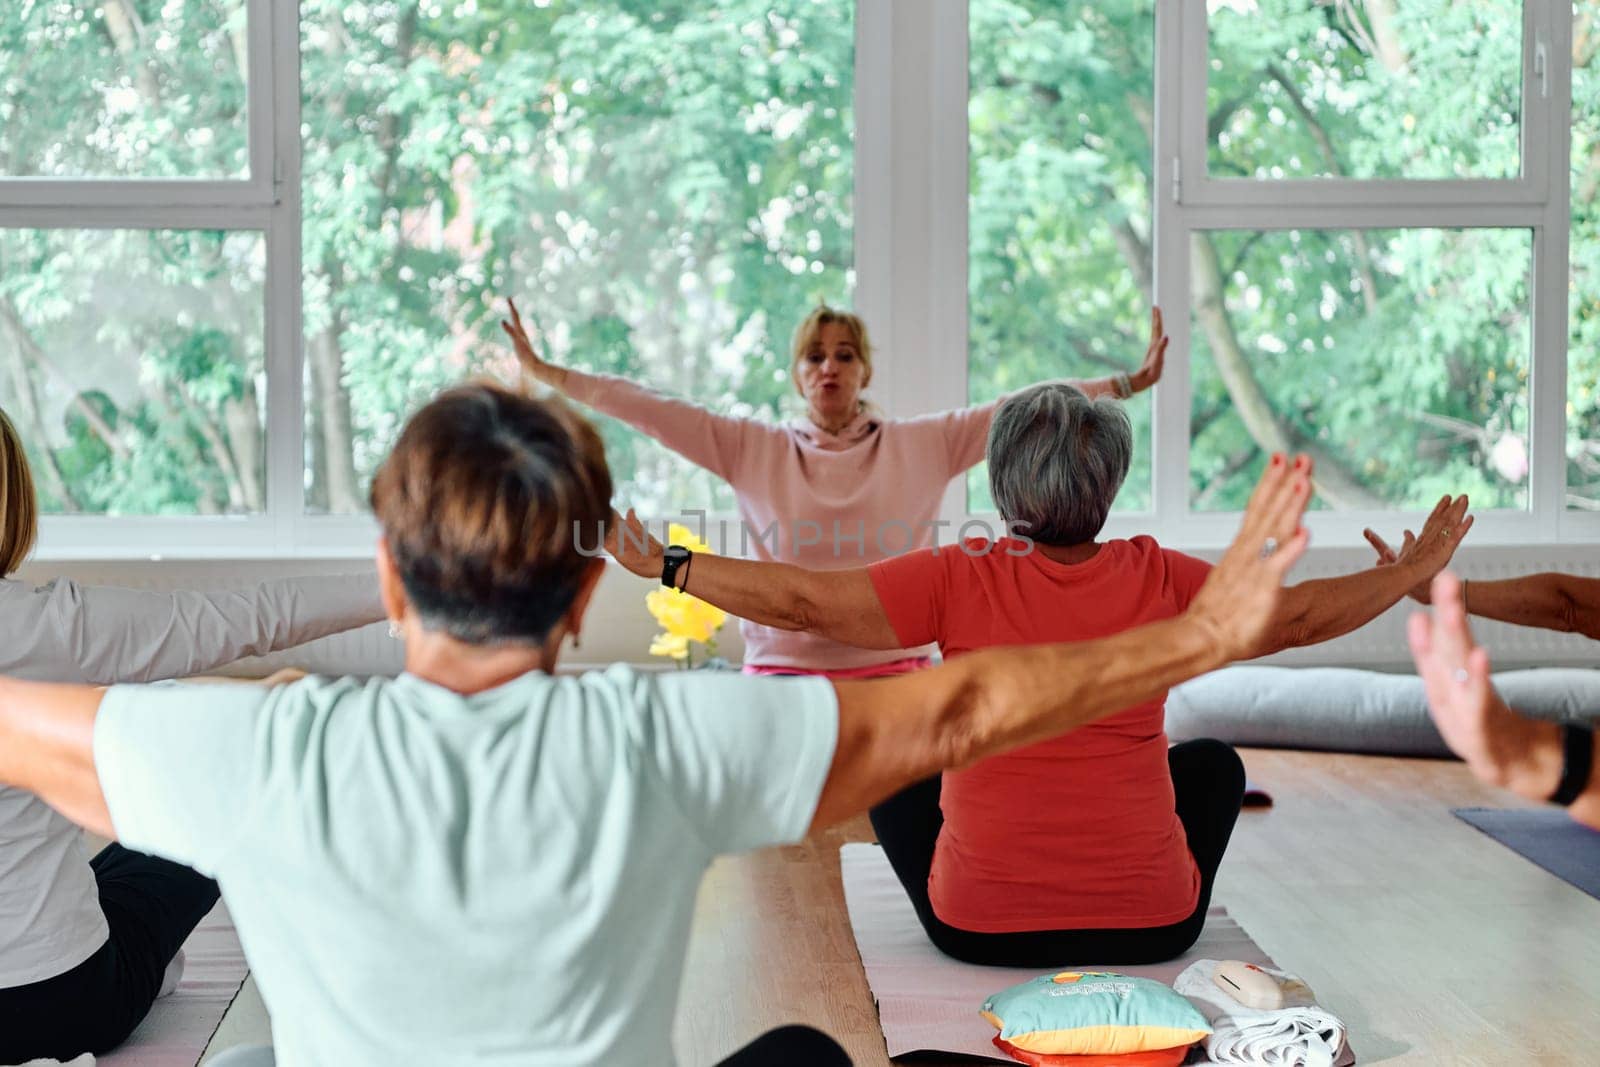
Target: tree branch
pixel 126 31
pixel 31 418
pixel 1337 484
pixel 26 343
pixel 1319 134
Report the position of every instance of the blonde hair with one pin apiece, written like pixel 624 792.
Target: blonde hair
pixel 810 328
pixel 19 509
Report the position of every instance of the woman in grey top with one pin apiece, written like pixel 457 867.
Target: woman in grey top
pixel 86 945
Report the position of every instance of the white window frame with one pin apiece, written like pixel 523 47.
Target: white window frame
pixel 1536 200
pixel 1190 200
pixel 911 197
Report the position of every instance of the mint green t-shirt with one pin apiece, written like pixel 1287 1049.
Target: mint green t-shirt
pixel 506 878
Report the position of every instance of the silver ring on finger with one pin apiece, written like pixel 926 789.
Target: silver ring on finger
pixel 1268 547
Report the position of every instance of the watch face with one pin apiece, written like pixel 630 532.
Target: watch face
pixel 677 553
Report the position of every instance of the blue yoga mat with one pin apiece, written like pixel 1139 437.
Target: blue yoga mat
pixel 1548 837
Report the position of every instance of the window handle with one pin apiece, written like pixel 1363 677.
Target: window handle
pixel 1541 67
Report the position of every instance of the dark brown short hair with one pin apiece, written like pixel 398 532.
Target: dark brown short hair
pixel 485 502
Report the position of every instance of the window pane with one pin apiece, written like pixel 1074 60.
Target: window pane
pixel 1058 271
pixel 131 363
pixel 1583 347
pixel 1309 89
pixel 665 188
pixel 1397 358
pixel 123 89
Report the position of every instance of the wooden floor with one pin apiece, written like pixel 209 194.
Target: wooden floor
pixel 1437 946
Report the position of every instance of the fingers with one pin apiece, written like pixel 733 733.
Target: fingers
pixel 1379 545
pixel 1478 667
pixel 1419 635
pixel 1276 509
pixel 1157 329
pixel 1452 636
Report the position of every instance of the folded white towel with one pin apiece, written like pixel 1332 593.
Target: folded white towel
pixel 1299 1035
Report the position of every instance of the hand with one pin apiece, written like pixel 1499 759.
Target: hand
pixel 1500 746
pixel 1155 357
pixel 1430 552
pixel 536 366
pixel 632 545
pixel 1240 598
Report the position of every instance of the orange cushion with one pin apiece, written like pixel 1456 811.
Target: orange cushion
pixel 1164 1057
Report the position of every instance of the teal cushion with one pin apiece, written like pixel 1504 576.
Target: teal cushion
pixel 1094 1013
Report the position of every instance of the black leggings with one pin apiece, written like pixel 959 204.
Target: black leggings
pixel 151 906
pixel 791 1046
pixel 1208 780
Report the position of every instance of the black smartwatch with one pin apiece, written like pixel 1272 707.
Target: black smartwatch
pixel 1577 763
pixel 674 557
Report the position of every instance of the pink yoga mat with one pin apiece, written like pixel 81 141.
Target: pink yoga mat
pixel 180 1026
pixel 928 1002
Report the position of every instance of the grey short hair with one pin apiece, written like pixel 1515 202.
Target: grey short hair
pixel 1057 460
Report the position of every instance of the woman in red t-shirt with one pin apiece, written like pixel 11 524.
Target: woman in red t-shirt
pixel 1101 845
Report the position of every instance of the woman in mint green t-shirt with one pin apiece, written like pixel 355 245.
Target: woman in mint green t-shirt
pixel 482 862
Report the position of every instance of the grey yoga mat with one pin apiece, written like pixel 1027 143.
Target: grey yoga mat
pixel 928 1002
pixel 180 1026
pixel 1546 836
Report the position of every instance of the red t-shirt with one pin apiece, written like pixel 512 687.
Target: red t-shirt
pixel 1078 832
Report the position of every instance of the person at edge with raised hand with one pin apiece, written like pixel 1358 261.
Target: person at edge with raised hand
pixel 1101 845
pixel 843 486
pixel 1544 761
pixel 87 945
pixel 1549 600
pixel 481 862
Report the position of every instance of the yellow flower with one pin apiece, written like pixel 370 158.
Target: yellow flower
pixel 685 619
pixel 684 616
pixel 678 534
pixel 670 645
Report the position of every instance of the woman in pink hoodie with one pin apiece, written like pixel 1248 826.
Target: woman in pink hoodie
pixel 845 486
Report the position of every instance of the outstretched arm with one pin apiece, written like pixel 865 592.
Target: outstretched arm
pixel 1548 600
pixel 1503 748
pixel 703 437
pixel 896 731
pixel 47 748
pixel 967 429
pixel 1148 374
pixel 839 605
pixel 1324 608
pixel 130 635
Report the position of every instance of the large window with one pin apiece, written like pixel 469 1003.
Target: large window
pixel 666 188
pixel 124 88
pixel 1061 123
pixel 133 365
pixel 241 240
pixel 1399 358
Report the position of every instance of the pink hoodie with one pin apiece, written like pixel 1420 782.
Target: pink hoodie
pixel 875 486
